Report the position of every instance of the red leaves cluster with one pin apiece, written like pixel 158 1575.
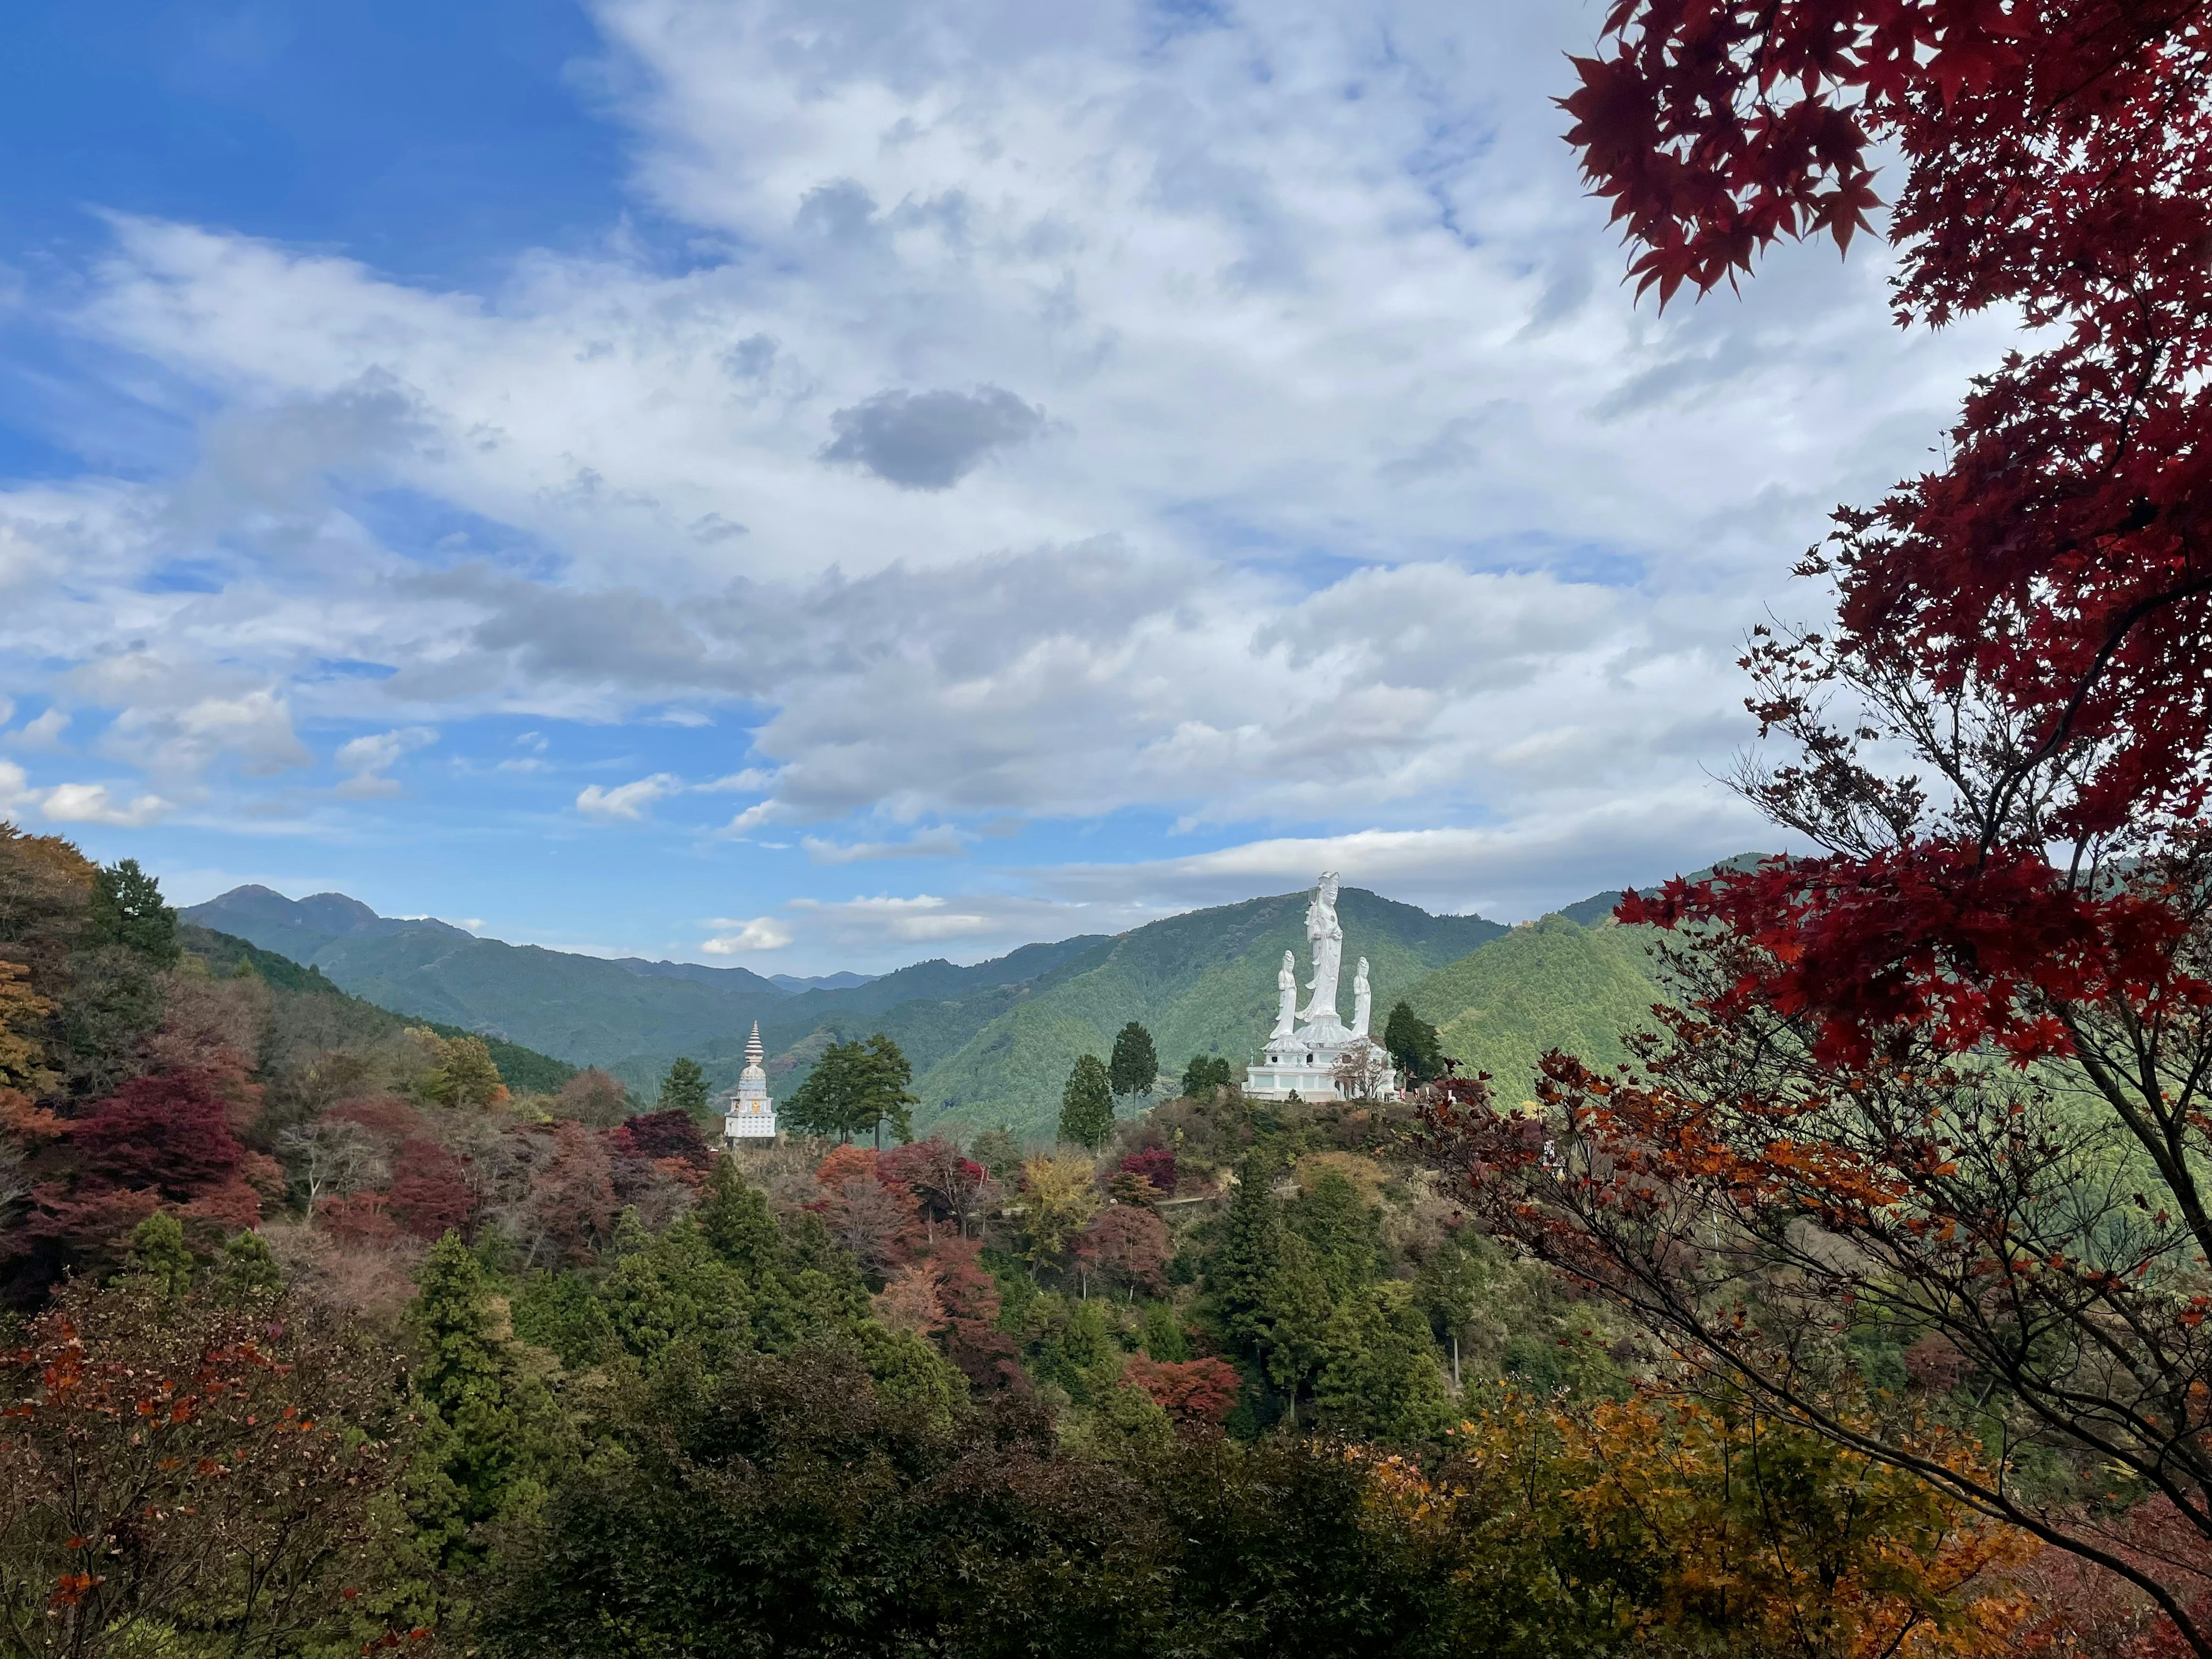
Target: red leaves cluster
pixel 1196 1390
pixel 1154 1165
pixel 1931 938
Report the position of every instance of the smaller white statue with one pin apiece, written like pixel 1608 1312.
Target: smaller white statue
pixel 1286 998
pixel 1363 1000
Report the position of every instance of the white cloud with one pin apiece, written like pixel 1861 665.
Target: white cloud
pixel 628 801
pixel 761 933
pixel 1235 423
pixel 938 843
pixel 368 758
pixel 43 731
pixel 96 803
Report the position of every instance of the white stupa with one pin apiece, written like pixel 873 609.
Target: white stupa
pixel 750 1114
pixel 1311 1046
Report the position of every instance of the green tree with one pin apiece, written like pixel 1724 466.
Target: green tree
pixel 684 1089
pixel 856 1088
pixel 1135 1064
pixel 464 1074
pixel 1379 1378
pixel 1205 1073
pixel 1413 1044
pixel 486 1422
pixel 126 908
pixel 248 1268
pixel 1344 1230
pixel 1086 1105
pixel 158 1250
pixel 997 1151
pixel 677 1290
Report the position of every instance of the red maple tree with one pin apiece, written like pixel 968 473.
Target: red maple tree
pixel 1942 1084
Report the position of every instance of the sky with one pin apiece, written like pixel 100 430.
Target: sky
pixel 822 485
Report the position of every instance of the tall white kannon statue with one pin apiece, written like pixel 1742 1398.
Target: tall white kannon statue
pixel 1363 1000
pixel 1286 997
pixel 1327 937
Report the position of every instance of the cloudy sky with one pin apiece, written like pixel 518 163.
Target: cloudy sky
pixel 812 484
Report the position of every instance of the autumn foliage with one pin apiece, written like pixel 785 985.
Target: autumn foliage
pixel 1937 1089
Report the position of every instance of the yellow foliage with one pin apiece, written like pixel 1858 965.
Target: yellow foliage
pixel 22 1010
pixel 1060 1194
pixel 1728 1525
pixel 1364 1174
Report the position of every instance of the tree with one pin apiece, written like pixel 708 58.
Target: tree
pixel 1943 1080
pixel 595 1097
pixel 487 1419
pixel 464 1073
pixel 126 910
pixel 179 1474
pixel 1205 1073
pixel 684 1089
pixel 1135 1063
pixel 1363 1072
pixel 169 1132
pixel 856 1088
pixel 1059 1195
pixel 1086 1105
pixel 158 1250
pixel 1379 1379
pixel 1126 1243
pixel 331 1156
pixel 1412 1043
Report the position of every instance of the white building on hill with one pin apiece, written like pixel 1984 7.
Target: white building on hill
pixel 1312 1053
pixel 750 1114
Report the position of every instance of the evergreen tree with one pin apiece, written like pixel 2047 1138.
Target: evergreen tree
pixel 684 1089
pixel 1135 1063
pixel 1251 1241
pixel 485 1423
pixel 677 1290
pixel 1413 1044
pixel 1205 1073
pixel 856 1088
pixel 158 1250
pixel 1343 1228
pixel 1380 1379
pixel 126 908
pixel 1086 1105
pixel 736 1220
pixel 248 1268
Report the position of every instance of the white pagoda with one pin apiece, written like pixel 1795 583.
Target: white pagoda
pixel 1312 1053
pixel 750 1114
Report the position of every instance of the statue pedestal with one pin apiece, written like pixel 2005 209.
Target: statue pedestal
pixel 1305 1063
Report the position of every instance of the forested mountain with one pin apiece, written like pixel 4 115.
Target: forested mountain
pixel 1551 984
pixel 991 1044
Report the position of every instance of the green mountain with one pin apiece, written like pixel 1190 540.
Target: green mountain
pixel 1202 983
pixel 1549 984
pixel 520 1068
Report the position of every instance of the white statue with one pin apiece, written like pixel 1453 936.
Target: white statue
pixel 1286 997
pixel 1363 1000
pixel 1328 940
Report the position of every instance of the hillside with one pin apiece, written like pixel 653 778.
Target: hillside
pixel 1553 984
pixel 524 1070
pixel 1203 982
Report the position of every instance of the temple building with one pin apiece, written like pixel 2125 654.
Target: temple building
pixel 750 1114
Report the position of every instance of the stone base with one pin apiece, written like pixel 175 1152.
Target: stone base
pixel 1304 1064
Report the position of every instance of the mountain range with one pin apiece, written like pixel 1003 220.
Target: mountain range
pixel 991 1043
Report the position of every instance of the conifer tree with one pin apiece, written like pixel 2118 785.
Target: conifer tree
pixel 1135 1063
pixel 158 1250
pixel 1379 1378
pixel 1413 1044
pixel 684 1089
pixel 248 1268
pixel 1086 1106
pixel 126 908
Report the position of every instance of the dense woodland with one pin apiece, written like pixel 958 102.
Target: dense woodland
pixel 1856 1307
pixel 324 1336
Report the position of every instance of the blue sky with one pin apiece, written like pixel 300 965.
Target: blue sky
pixel 820 485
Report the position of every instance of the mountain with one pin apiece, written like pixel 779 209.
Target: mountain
pixel 1548 984
pixel 837 982
pixel 1202 983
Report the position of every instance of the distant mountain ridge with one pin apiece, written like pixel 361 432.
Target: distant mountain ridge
pixel 991 1044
